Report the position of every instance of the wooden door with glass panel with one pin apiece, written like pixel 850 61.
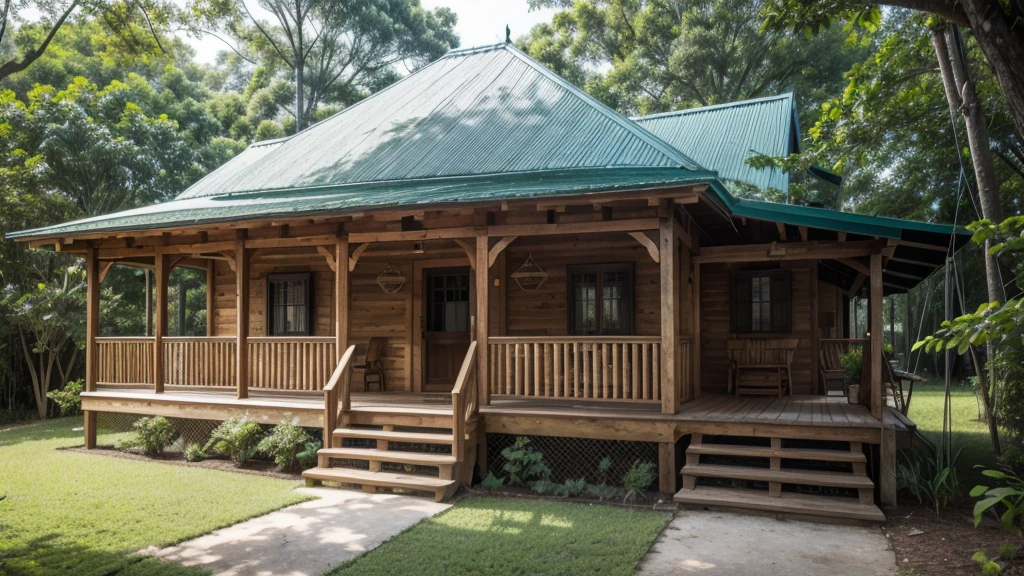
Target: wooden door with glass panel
pixel 445 325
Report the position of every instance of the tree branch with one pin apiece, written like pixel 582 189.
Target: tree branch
pixel 14 66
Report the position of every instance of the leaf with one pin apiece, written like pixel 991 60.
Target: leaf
pixel 994 474
pixel 981 506
pixel 977 491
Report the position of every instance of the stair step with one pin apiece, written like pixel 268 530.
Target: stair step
pixel 766 452
pixel 806 477
pixel 788 503
pixel 373 454
pixel 394 436
pixel 383 479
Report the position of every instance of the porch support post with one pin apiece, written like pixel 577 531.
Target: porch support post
pixel 483 289
pixel 875 325
pixel 160 322
pixel 669 317
pixel 211 296
pixel 92 330
pixel 242 260
pixel 695 348
pixel 667 468
pixel 341 294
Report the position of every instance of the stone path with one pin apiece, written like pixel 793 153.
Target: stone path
pixel 712 543
pixel 305 539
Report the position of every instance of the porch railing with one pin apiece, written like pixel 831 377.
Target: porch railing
pixel 588 367
pixel 124 360
pixel 464 404
pixel 301 363
pixel 338 395
pixel 199 361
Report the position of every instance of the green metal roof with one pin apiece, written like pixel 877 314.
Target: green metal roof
pixel 724 136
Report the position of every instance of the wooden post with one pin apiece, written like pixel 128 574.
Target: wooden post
pixel 669 318
pixel 211 296
pixel 875 325
pixel 667 469
pixel 149 302
pixel 242 319
pixel 160 322
pixel 483 289
pixel 815 358
pixel 695 348
pixel 887 457
pixel 341 296
pixel 92 330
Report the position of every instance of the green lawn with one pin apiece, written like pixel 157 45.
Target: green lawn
pixel 516 537
pixel 82 514
pixel 969 432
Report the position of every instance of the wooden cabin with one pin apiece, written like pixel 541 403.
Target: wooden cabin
pixel 482 251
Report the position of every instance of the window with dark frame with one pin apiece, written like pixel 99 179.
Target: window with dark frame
pixel 600 299
pixel 761 302
pixel 289 297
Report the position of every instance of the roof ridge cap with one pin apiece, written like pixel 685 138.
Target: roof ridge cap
pixel 735 104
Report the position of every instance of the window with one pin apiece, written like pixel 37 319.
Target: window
pixel 761 302
pixel 289 297
pixel 600 299
pixel 447 301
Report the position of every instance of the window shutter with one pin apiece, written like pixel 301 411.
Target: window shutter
pixel 739 309
pixel 782 298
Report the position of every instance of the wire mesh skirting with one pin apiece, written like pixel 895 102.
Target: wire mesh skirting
pixel 574 458
pixel 186 430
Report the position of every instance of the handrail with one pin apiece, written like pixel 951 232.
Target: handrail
pixel 580 339
pixel 463 401
pixel 843 340
pixel 332 395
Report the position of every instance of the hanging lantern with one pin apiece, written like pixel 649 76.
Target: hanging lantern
pixel 529 276
pixel 390 280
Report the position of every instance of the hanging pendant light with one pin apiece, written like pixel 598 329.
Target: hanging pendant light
pixel 530 276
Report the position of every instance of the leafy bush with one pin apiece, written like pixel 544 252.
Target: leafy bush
pixel 569 489
pixel 492 482
pixel 194 452
pixel 636 480
pixel 524 464
pixel 853 362
pixel 284 443
pixel 930 479
pixel 69 399
pixel 307 458
pixel 152 435
pixel 1009 496
pixel 237 438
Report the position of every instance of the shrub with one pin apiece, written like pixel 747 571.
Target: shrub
pixel 601 490
pixel 853 362
pixel 637 479
pixel 237 438
pixel 525 465
pixel 492 482
pixel 152 435
pixel 307 458
pixel 284 443
pixel 929 479
pixel 68 399
pixel 194 452
pixel 1008 498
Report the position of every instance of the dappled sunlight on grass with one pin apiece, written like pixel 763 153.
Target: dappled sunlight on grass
pixel 517 537
pixel 969 432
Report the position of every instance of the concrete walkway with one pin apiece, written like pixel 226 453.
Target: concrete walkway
pixel 711 543
pixel 306 539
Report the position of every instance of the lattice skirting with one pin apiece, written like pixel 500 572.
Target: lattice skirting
pixel 574 458
pixel 188 431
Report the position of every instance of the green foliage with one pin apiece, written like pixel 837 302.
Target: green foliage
pixel 492 482
pixel 638 479
pixel 307 458
pixel 524 464
pixel 1007 498
pixel 284 443
pixel 152 435
pixel 568 489
pixel 69 398
pixel 988 567
pixel 930 479
pixel 237 438
pixel 194 452
pixel 853 363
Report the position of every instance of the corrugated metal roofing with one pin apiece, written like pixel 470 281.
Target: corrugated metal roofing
pixel 486 110
pixel 723 137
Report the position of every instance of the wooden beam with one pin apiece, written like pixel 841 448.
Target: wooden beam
pixel 841 236
pixel 341 295
pixel 633 225
pixel 211 295
pixel 669 319
pixel 776 251
pixel 356 254
pixel 332 263
pixel 695 346
pixel 856 265
pixel 781 228
pixel 498 247
pixel 923 246
pixel 159 321
pixel 667 469
pixel 931 265
pixel 650 245
pixel 483 290
pixel 105 268
pixel 875 325
pixel 470 251
pixel 92 330
pixel 803 233
pixel 293 242
pixel 857 283
pixel 242 280
pixel 815 358
pixel 410 235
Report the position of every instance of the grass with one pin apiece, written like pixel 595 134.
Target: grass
pixel 73 513
pixel 969 432
pixel 484 535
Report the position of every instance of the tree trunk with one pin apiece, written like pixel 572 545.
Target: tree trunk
pixel 1002 41
pixel 300 61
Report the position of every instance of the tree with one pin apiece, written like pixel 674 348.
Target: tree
pixel 995 24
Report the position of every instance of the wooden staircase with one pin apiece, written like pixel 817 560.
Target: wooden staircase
pixel 819 481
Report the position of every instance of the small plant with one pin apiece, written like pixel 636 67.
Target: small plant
pixel 639 476
pixel 525 465
pixel 574 488
pixel 492 482
pixel 194 452
pixel 237 438
pixel 601 490
pixel 853 363
pixel 988 566
pixel 930 480
pixel 307 458
pixel 152 435
pixel 68 399
pixel 284 443
pixel 568 489
pixel 1010 496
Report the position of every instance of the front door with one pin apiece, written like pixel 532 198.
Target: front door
pixel 445 326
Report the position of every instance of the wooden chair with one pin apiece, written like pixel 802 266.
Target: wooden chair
pixel 830 368
pixel 893 381
pixel 761 365
pixel 372 365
